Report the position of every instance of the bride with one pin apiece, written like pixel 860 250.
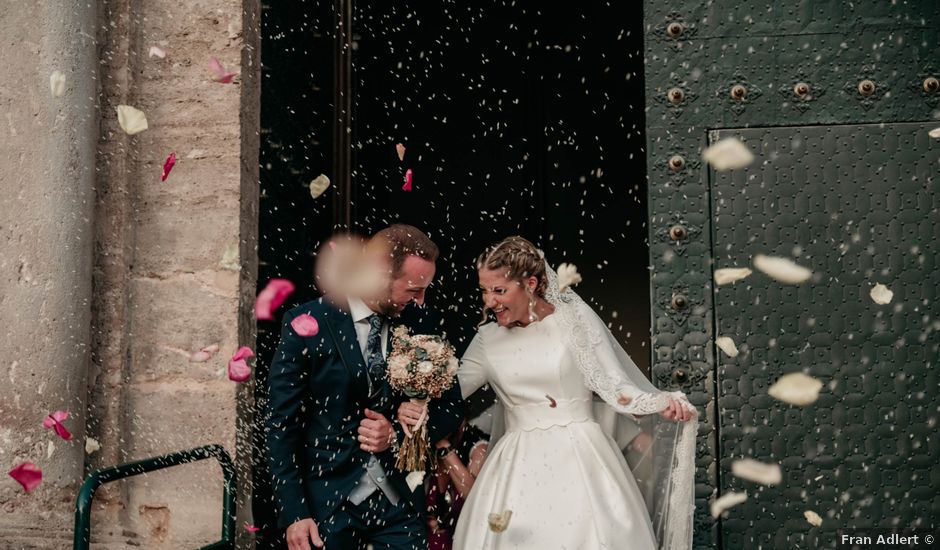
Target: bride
pixel 558 470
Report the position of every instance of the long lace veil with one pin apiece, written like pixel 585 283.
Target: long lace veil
pixel 659 452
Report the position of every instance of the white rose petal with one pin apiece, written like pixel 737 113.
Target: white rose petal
pixel 758 472
pixel 729 275
pixel 881 295
pixel 782 269
pixel 726 501
pixel 414 480
pixel 567 276
pixel 57 83
pixel 499 522
pixel 813 518
pixel 935 133
pixel 796 388
pixel 50 449
pixel 197 154
pixel 156 51
pixel 132 121
pixel 728 154
pixel 424 367
pixel 319 185
pixel 726 345
pixel 91 445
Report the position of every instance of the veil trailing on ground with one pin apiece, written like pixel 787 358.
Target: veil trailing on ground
pixel 659 452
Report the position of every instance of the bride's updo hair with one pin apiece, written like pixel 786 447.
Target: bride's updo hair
pixel 520 258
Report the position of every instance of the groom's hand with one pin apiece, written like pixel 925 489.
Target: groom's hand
pixel 408 415
pixel 301 533
pixel 375 432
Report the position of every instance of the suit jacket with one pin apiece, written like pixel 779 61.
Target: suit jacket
pixel 318 390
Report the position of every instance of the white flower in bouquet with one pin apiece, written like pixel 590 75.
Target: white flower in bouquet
pixel 452 365
pixel 425 367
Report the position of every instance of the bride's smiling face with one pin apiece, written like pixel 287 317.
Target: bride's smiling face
pixel 508 299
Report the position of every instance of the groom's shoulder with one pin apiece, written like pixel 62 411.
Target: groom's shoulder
pixel 313 307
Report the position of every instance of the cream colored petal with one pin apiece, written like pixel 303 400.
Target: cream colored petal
pixel 935 133
pixel 729 275
pixel 726 345
pixel 50 449
pixel 782 269
pixel 756 471
pixel 157 51
pixel 230 258
pixel 414 480
pixel 726 501
pixel 728 154
pixel 319 185
pixel 796 388
pixel 57 83
pixel 881 295
pixel 499 522
pixel 91 445
pixel 567 276
pixel 132 121
pixel 813 518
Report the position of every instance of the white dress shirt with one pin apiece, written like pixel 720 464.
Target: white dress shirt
pixel 360 313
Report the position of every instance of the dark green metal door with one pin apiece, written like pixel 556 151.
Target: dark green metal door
pixel 858 205
pixel 834 99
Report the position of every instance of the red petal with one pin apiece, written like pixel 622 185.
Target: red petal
pixel 251 528
pixel 305 325
pixel 54 421
pixel 408 176
pixel 238 369
pixel 28 475
pixel 271 298
pixel 168 165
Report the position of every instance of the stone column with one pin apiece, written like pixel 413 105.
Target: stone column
pixel 46 238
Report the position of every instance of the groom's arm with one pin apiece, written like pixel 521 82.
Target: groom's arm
pixel 287 384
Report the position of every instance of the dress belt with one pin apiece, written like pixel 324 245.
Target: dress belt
pixel 538 416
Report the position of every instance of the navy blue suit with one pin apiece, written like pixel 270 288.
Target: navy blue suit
pixel 318 390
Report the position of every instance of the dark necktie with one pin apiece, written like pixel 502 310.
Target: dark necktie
pixel 375 360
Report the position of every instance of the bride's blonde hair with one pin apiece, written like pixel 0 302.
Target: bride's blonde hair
pixel 521 260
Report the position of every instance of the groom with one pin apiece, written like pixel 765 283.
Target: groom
pixel 331 442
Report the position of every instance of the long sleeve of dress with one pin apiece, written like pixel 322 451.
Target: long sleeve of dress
pixel 473 366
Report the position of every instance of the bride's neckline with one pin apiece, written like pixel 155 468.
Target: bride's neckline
pixel 537 321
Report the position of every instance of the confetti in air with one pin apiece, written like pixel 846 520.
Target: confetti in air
pixel 131 120
pixel 756 471
pixel 305 325
pixel 400 149
pixel 219 73
pixel 204 354
pixel 726 345
pixel 796 388
pixel 167 166
pixel 91 445
pixel 238 369
pixel 728 154
pixel 54 422
pixel 271 298
pixel 881 295
pixel 57 84
pixel 28 475
pixel 251 528
pixel 813 518
pixel 319 185
pixel 935 133
pixel 414 480
pixel 782 269
pixel 156 51
pixel 729 275
pixel 726 501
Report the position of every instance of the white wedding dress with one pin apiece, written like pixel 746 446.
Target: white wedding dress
pixel 565 481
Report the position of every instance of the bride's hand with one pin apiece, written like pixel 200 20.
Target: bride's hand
pixel 408 415
pixel 677 410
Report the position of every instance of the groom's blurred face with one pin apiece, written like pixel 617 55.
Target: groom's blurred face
pixel 408 285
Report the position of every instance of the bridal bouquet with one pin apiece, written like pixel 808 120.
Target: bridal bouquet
pixel 423 367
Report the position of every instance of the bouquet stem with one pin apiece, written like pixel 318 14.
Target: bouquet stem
pixel 413 452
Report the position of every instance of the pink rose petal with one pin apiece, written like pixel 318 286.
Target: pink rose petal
pixel 408 176
pixel 400 149
pixel 28 475
pixel 251 528
pixel 305 325
pixel 54 421
pixel 204 354
pixel 221 75
pixel 271 298
pixel 168 165
pixel 238 369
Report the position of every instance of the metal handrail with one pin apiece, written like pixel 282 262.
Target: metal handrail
pixel 99 477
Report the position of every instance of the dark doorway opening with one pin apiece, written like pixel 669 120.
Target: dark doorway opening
pixel 516 120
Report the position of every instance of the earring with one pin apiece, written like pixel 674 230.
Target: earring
pixel 532 316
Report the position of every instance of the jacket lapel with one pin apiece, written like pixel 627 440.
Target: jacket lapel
pixel 340 325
